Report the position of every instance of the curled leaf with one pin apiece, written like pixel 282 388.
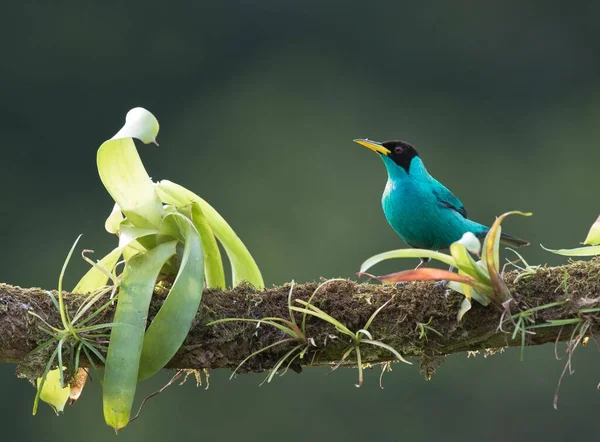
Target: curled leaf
pixel 465 306
pixel 466 264
pixel 492 257
pixel 114 219
pixel 77 384
pixel 141 124
pixel 471 243
pixel 593 236
pixel 52 392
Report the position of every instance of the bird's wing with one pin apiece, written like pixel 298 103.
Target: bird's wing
pixel 448 199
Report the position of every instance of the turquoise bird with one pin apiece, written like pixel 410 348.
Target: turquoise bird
pixel 422 211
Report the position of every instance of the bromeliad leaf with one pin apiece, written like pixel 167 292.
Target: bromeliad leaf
pixel 126 339
pixel 174 319
pixel 123 174
pixel 491 257
pixel 213 263
pixel 53 392
pixel 243 266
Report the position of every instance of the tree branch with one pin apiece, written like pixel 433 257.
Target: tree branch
pixel 351 303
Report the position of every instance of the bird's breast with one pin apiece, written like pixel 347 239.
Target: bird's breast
pixel 415 214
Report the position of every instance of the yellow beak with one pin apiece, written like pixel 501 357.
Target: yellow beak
pixel 373 145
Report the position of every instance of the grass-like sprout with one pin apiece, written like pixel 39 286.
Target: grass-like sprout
pixel 581 325
pixel 525 271
pixel 294 333
pixel 297 334
pixel 424 327
pixel 76 334
pixel 362 336
pixel 522 319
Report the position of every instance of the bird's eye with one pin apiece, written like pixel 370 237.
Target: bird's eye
pixel 398 150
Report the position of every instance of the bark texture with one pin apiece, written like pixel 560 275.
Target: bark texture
pixel 351 303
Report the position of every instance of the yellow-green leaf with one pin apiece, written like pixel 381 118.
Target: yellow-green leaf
pixel 467 264
pixel 593 236
pixel 243 266
pixel 213 263
pixel 407 253
pixel 127 335
pixel 52 393
pixel 95 278
pixel 114 220
pixel 578 251
pixel 126 180
pixel 174 319
pixel 492 257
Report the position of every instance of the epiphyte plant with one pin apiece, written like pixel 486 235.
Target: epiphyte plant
pixel 166 232
pixel 479 280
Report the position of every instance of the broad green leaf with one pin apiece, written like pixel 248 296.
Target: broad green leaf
pixel 128 246
pixel 243 266
pixel 114 220
pixel 127 335
pixel 129 233
pixel 467 264
pixel 126 180
pixel 469 292
pixel 213 263
pixel 407 253
pixel 174 319
pixel 593 236
pixel 579 251
pixel 480 297
pixel 95 278
pixel 465 306
pixel 52 392
pixel 123 174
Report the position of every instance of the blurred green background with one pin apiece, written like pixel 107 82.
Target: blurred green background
pixel 258 103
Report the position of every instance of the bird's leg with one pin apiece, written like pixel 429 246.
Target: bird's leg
pixel 444 283
pixel 422 262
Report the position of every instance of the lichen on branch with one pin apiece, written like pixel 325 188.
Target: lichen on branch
pixel 419 321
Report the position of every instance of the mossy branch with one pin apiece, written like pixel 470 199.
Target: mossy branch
pixel 419 321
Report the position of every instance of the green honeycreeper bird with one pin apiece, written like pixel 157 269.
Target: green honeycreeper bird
pixel 422 211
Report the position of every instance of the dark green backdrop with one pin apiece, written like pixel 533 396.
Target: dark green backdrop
pixel 258 103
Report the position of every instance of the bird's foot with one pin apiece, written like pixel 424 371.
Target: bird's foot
pixel 443 284
pixel 422 262
pixel 401 284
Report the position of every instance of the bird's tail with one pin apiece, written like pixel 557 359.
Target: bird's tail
pixel 512 241
pixel 481 231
